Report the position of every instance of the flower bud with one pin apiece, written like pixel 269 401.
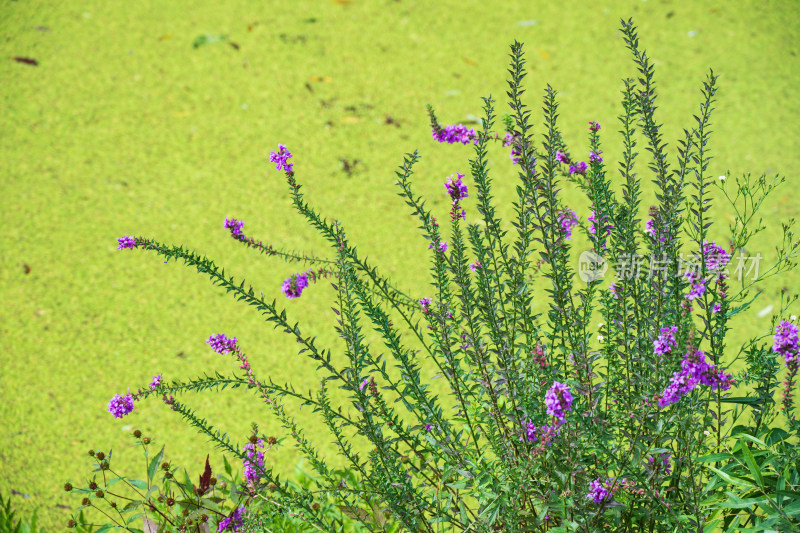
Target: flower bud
pixel 92 485
pixel 212 481
pixel 164 466
pixel 85 501
pixel 315 506
pixel 71 524
pixel 91 452
pixel 137 434
pixel 99 494
pixel 170 502
pixel 253 439
pixel 100 456
pixel 146 440
pixel 67 487
pixel 272 440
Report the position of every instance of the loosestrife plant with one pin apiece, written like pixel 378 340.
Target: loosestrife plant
pixel 647 421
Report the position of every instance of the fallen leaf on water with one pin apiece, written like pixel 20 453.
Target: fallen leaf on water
pixel 351 120
pixel 544 54
pixel 764 312
pixel 324 79
pixel 165 37
pixel 469 61
pixel 27 61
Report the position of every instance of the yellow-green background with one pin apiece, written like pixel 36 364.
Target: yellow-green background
pixel 124 128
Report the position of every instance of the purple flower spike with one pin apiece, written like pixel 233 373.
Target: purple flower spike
pixel 594 157
pixel 665 341
pixel 235 226
pixel 594 126
pixel 456 189
pixel 598 491
pixel 126 242
pixel 232 522
pixel 455 133
pixel 580 168
pixel 558 400
pixel 567 219
pixel 293 286
pixel 786 340
pixel 222 344
pixel 156 382
pixel 120 406
pixel 254 463
pixel 281 157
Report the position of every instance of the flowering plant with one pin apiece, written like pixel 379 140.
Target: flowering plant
pixel 542 428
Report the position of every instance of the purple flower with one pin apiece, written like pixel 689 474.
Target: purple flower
pixel 475 266
pixel 716 257
pixel 456 133
pixel 363 384
pixel 594 126
pixel 717 308
pixel 254 464
pixel 428 427
pixel 598 491
pixel 120 406
pixel 126 242
pixel 558 400
pixel 561 157
pixel 234 225
pixel 665 462
pixel 698 285
pixel 293 286
pixel 425 303
pixel 232 522
pixel 456 189
pixel 614 290
pixel 222 344
pixel 649 228
pixel 530 432
pixel 156 382
pixel 442 247
pixel 567 219
pixel 281 157
pixel 580 168
pixel 665 341
pixel 695 370
pixel 594 157
pixel 786 340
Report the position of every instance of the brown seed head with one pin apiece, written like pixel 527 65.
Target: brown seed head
pixel 137 434
pixel 170 502
pixel 67 487
pixel 146 440
pixel 85 501
pixel 100 456
pixel 71 524
pixel 92 485
pixel 315 506
pixel 99 494
pixel 272 440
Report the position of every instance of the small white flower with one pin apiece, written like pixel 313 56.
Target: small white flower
pixel 706 433
pixel 722 178
pixel 794 318
pixel 600 338
pixel 600 325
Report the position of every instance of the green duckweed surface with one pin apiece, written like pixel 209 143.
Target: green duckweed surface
pixel 124 127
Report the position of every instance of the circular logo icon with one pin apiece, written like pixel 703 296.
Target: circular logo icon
pixel 591 266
